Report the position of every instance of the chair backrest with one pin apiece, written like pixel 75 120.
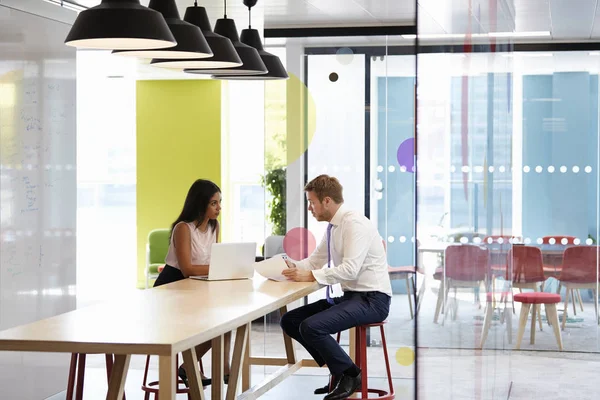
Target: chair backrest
pixel 499 245
pixel 558 239
pixel 466 262
pixel 580 265
pixel 273 246
pixel 158 245
pixel 526 264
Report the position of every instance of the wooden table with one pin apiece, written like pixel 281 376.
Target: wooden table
pixel 168 320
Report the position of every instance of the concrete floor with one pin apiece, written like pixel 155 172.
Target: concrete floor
pixel 448 364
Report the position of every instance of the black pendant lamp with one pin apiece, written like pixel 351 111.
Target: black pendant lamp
pixel 190 40
pixel 224 54
pixel 251 37
pixel 120 24
pixel 252 64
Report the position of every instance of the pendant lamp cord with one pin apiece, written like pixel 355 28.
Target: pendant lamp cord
pixel 250 17
pixel 195 3
pixel 225 9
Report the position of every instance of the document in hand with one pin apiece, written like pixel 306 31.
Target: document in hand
pixel 271 268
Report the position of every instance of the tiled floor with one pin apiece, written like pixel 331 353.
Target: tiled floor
pixel 444 374
pixel 449 366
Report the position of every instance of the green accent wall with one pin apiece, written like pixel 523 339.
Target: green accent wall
pixel 178 141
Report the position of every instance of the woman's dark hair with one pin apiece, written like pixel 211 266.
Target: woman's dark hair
pixel 196 203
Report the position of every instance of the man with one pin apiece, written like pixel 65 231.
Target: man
pixel 355 257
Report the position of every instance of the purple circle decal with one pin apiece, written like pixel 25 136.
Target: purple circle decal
pixel 406 155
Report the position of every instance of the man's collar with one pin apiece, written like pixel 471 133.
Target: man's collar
pixel 339 214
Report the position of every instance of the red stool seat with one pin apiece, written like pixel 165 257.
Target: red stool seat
pixel 537 298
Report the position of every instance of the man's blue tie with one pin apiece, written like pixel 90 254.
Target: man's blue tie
pixel 328 292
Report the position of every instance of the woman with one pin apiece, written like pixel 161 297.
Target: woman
pixel 192 235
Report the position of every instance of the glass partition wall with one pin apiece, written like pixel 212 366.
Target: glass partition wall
pixel 478 164
pixel 345 111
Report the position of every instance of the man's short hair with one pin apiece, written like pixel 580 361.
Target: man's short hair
pixel 326 186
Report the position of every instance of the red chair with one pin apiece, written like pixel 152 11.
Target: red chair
pixel 554 268
pixel 579 271
pixel 499 245
pixel 489 316
pixel 406 273
pixel 464 266
pixel 549 300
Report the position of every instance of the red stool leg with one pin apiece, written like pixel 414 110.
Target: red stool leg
pixel 387 362
pixel 71 382
pixel 144 381
pixel 363 359
pixel 357 347
pixel 80 376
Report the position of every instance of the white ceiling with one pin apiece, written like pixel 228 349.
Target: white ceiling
pixel 565 19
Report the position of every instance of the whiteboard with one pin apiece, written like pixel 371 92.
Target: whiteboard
pixel 38 189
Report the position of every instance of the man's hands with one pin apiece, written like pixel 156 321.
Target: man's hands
pixel 297 275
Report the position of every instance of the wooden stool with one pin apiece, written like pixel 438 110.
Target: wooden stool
pixel 152 387
pixel 78 367
pixel 549 300
pixel 361 362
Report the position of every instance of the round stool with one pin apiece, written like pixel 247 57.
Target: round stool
pixel 361 362
pixel 549 300
pixel 152 387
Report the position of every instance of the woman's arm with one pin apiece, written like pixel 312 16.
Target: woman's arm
pixel 182 240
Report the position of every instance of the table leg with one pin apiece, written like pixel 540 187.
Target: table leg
pixel 246 368
pixel 217 368
pixel 167 382
pixel 116 387
pixel 290 350
pixel 352 343
pixel 237 360
pixel 193 373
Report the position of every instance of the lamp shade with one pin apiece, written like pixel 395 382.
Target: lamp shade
pixel 191 43
pixel 224 54
pixel 120 24
pixel 252 64
pixel 251 37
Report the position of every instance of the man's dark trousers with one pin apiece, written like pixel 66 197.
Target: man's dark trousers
pixel 313 324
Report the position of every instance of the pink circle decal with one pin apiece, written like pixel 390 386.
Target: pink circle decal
pixel 299 243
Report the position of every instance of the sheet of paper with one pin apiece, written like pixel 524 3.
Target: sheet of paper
pixel 271 268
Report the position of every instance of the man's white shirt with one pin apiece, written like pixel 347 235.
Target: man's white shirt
pixel 358 258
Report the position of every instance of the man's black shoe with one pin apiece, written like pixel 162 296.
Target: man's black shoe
pixel 345 387
pixel 325 389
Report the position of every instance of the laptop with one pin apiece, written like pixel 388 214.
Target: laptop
pixel 230 261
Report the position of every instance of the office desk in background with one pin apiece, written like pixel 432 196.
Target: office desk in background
pixel 168 320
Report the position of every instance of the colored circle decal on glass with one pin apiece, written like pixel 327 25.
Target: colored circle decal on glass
pixel 299 243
